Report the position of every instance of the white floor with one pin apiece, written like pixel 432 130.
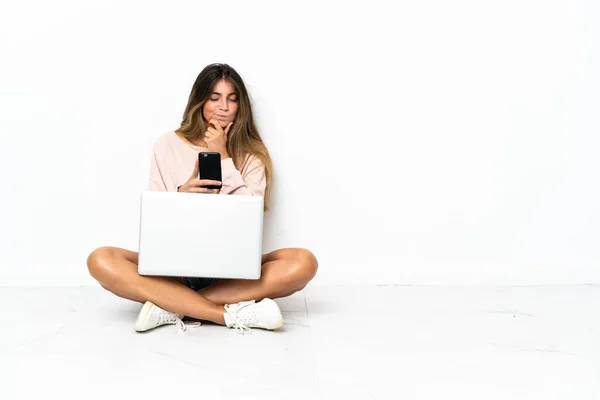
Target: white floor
pixel 384 342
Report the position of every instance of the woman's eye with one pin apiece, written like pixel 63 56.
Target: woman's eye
pixel 234 100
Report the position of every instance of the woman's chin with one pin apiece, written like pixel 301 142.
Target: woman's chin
pixel 221 122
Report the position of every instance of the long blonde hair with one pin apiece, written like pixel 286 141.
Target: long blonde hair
pixel 243 138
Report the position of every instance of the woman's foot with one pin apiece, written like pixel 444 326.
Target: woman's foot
pixel 241 316
pixel 152 316
pixel 249 314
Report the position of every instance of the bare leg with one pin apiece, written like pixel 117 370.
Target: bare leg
pixel 116 270
pixel 284 272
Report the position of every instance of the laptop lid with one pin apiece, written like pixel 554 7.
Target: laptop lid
pixel 200 235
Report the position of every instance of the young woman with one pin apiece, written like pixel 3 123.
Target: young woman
pixel 218 117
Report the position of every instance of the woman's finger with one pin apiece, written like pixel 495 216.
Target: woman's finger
pixel 216 124
pixel 203 182
pixel 199 190
pixel 228 128
pixel 209 182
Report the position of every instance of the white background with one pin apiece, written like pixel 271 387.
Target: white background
pixel 426 142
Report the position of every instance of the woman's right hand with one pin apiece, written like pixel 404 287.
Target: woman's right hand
pixel 194 185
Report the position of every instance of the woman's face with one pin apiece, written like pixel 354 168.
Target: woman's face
pixel 222 104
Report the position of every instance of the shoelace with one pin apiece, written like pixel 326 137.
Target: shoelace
pixel 182 326
pixel 240 325
pixel 167 318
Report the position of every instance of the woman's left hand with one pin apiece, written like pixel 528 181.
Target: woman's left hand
pixel 216 138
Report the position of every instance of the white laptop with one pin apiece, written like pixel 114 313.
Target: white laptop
pixel 200 235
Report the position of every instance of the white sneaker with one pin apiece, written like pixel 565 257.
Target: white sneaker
pixel 152 316
pixel 249 314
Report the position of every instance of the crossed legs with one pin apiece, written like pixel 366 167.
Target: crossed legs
pixel 284 272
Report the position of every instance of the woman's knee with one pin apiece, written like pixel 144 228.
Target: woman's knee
pixel 309 262
pixel 100 263
pixel 303 267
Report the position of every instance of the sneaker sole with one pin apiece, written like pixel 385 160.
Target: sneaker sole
pixel 142 317
pixel 279 322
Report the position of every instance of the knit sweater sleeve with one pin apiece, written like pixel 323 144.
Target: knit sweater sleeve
pixel 250 181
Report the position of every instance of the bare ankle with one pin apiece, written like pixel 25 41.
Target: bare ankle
pixel 220 317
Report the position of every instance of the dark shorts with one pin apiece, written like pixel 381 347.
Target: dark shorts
pixel 200 283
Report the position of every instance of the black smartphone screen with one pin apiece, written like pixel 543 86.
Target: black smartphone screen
pixel 209 166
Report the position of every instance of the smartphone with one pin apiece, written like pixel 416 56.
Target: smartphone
pixel 209 165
